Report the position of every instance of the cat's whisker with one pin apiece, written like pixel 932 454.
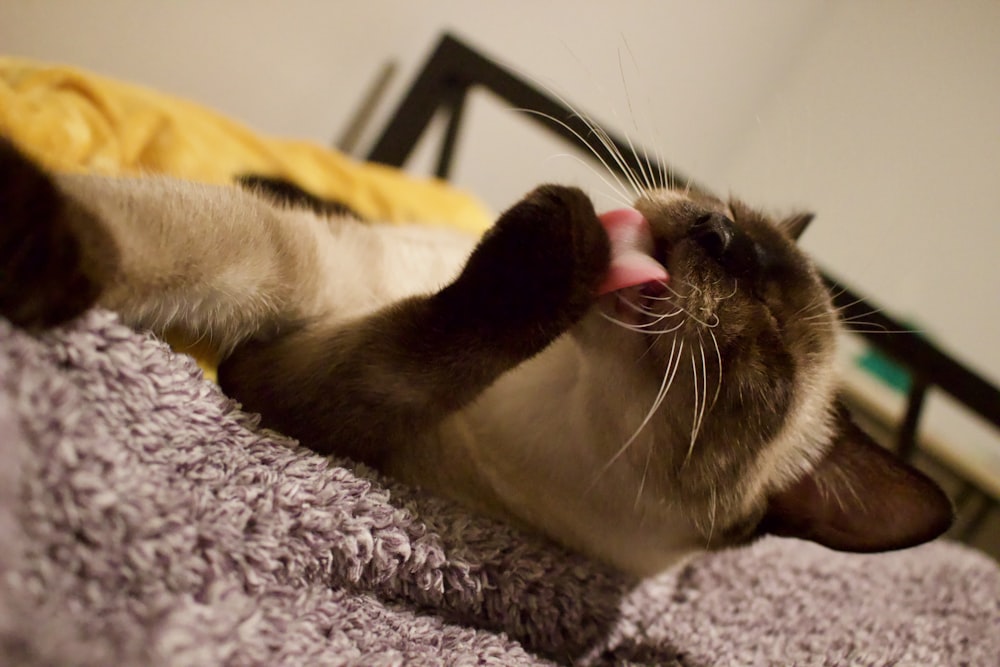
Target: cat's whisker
pixel 662 178
pixel 862 321
pixel 674 313
pixel 700 397
pixel 704 384
pixel 647 183
pixel 642 480
pixel 820 304
pixel 712 322
pixel 859 316
pixel 623 189
pixel 663 181
pixel 840 309
pixel 736 289
pixel 597 130
pixel 849 304
pixel 713 510
pixel 826 297
pixel 853 323
pixel 650 312
pixel 673 363
pixel 837 292
pixel 652 342
pixel 639 328
pixel 620 160
pixel 616 195
pixel 876 329
pixel 611 148
pixel 675 294
pixel 708 325
pixel 819 315
pixel 862 325
pixel 718 354
pixel 644 165
pixel 651 297
pixel 658 317
pixel 694 418
pixel 695 288
pixel 602 135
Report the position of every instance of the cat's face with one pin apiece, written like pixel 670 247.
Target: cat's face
pixel 737 348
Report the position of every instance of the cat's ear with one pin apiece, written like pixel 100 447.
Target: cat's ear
pixel 860 497
pixel 795 224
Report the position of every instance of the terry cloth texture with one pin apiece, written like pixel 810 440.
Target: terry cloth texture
pixel 146 520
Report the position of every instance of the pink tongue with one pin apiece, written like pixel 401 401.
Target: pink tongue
pixel 631 245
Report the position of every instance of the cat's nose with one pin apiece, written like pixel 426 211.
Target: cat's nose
pixel 727 244
pixel 715 233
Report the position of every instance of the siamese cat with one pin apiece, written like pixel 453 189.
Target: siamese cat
pixel 638 385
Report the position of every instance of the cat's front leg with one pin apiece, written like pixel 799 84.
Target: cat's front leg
pixel 170 256
pixel 46 278
pixel 363 388
pixel 532 276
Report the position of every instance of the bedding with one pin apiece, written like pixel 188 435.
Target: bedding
pixel 146 520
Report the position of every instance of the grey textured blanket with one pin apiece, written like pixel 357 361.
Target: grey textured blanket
pixel 145 520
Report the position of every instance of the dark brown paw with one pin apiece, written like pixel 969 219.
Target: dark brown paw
pixel 536 272
pixel 42 281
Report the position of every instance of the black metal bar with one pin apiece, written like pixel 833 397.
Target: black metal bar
pixel 966 494
pixel 935 367
pixel 906 437
pixel 976 521
pixel 447 153
pixel 415 111
pixel 453 66
pixel 348 140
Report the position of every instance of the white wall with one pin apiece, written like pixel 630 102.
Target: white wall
pixel 884 117
pixel 889 127
pixel 296 67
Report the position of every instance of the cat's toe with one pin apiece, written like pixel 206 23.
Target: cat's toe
pixel 536 272
pixel 569 234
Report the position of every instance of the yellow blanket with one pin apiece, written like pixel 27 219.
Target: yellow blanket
pixel 71 120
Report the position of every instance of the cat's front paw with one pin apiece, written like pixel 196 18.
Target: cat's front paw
pixel 536 272
pixel 42 280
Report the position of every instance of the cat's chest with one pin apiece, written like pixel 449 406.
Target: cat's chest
pixel 532 450
pixel 367 266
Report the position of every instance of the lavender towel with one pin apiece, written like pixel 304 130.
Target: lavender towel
pixel 146 520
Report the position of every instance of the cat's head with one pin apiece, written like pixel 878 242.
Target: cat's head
pixel 736 352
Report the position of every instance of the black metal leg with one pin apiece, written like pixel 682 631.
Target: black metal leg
pixel 457 108
pixel 972 526
pixel 906 439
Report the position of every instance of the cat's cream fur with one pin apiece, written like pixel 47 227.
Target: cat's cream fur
pixel 222 263
pixel 748 423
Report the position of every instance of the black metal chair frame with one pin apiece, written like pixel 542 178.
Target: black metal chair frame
pixel 454 69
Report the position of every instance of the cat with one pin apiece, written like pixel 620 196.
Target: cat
pixel 638 385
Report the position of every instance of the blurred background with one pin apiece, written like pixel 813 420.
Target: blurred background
pixel 883 118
